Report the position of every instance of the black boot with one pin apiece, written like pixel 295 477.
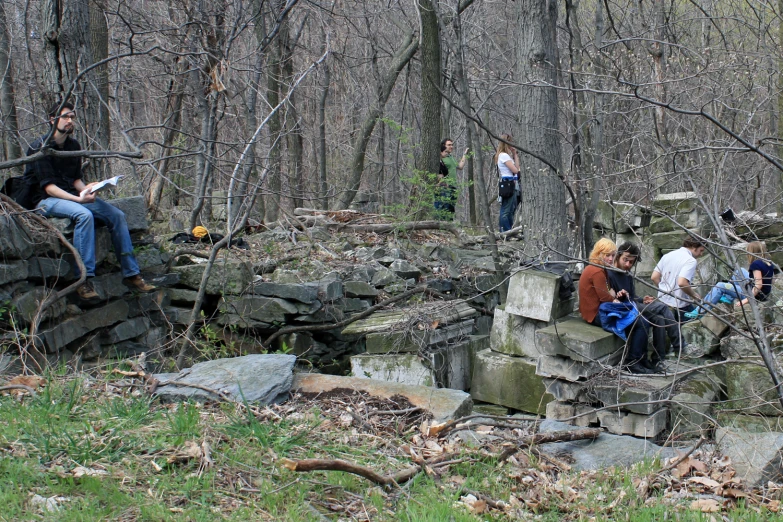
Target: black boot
pixel 639 369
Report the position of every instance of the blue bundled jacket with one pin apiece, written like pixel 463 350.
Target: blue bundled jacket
pixel 616 317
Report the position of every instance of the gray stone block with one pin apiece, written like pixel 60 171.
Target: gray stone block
pixel 749 388
pixel 257 379
pixel 229 277
pixel 41 268
pixel 582 415
pixel 700 341
pixel 400 368
pixel 616 216
pixel 135 210
pixel 27 305
pixel 570 370
pixel 515 335
pixel 15 240
pixel 352 304
pixel 535 295
pixel 577 340
pixel 109 286
pixel 149 258
pixel 509 381
pixel 359 289
pixel 384 277
pixel 13 271
pixel 404 269
pixel 329 289
pixel 327 313
pixel 623 423
pixel 757 457
pixel 605 451
pixel 182 295
pixel 144 304
pixel 566 391
pixel 266 309
pixel 676 203
pixel 125 330
pixel 453 365
pixel 297 292
pixel 71 329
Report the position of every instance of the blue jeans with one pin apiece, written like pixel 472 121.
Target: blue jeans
pixel 731 289
pixel 84 216
pixel 508 208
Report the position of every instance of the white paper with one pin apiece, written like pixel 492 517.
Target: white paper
pixel 103 185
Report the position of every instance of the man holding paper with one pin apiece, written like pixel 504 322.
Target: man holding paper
pixel 59 191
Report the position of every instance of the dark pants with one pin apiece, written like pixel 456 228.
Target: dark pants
pixel 637 340
pixel 664 324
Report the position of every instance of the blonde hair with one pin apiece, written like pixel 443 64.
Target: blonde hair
pixel 757 250
pixel 603 247
pixel 503 146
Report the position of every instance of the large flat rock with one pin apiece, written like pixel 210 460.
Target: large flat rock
pixel 757 457
pixel 605 451
pixel 577 340
pixel 226 277
pixel 443 312
pixel 555 366
pixel 258 379
pixel 509 381
pixel 416 340
pixel 403 368
pixel 444 404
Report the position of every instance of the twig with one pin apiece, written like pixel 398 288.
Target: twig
pixel 681 459
pixel 494 504
pixel 545 438
pixel 18 387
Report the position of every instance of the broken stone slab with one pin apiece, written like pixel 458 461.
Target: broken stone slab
pixel 443 312
pixel 178 315
pixel 328 313
pixel 404 269
pixel 668 241
pixel 352 304
pixel 11 271
pixel 605 451
pixel 362 274
pixel 566 391
pixel 265 309
pixel 257 379
pixel 624 423
pixel 144 304
pixel 411 340
pixel 515 335
pixel 71 329
pixel 359 289
pixel 749 388
pixel 692 219
pixel 739 346
pixel 226 277
pixel 109 286
pixel 676 203
pixel 135 210
pixel 575 414
pixel 700 341
pixel 401 368
pixel 125 330
pixel 385 277
pixel 509 381
pixel 535 294
pixel 444 404
pixel 182 295
pixel 150 258
pixel 751 423
pixel 577 340
pixel 295 343
pixel 561 367
pixel 41 268
pixel 756 456
pixel 715 325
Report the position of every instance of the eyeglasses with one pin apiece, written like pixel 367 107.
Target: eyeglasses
pixel 71 117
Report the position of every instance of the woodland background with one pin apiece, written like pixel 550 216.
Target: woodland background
pixel 291 103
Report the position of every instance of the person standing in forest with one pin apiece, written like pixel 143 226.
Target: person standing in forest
pixel 507 160
pixel 59 191
pixel 446 190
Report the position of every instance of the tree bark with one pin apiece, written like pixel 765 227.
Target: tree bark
pixel 274 71
pixel 323 202
pixel 543 208
pixel 429 157
pixel 9 125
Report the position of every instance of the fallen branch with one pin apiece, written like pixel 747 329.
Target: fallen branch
pixel 385 228
pixel 681 459
pixel 545 438
pixel 442 430
pixel 17 387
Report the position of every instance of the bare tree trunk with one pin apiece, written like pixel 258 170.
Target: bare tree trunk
pixel 470 127
pixel 97 93
pixel 323 202
pixel 9 126
pixel 53 71
pixel 272 199
pixel 403 55
pixel 543 208
pixel 429 157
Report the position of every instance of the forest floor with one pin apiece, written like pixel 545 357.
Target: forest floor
pixel 97 447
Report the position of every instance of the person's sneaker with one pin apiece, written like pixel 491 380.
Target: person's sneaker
pixel 138 283
pixel 87 292
pixel 693 314
pixel 639 369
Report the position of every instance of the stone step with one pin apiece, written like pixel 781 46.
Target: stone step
pixel 509 381
pixel 577 340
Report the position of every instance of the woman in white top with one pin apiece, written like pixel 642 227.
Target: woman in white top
pixel 506 159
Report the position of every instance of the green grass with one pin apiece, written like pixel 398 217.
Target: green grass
pixel 72 423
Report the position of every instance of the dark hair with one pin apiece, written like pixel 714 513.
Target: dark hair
pixel 630 248
pixel 693 242
pixel 443 143
pixel 55 109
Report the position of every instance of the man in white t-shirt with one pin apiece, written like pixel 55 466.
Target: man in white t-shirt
pixel 673 275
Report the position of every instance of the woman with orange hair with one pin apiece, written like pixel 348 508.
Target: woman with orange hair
pixel 594 290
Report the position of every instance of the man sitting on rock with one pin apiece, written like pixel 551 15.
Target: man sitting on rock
pixel 654 313
pixel 59 191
